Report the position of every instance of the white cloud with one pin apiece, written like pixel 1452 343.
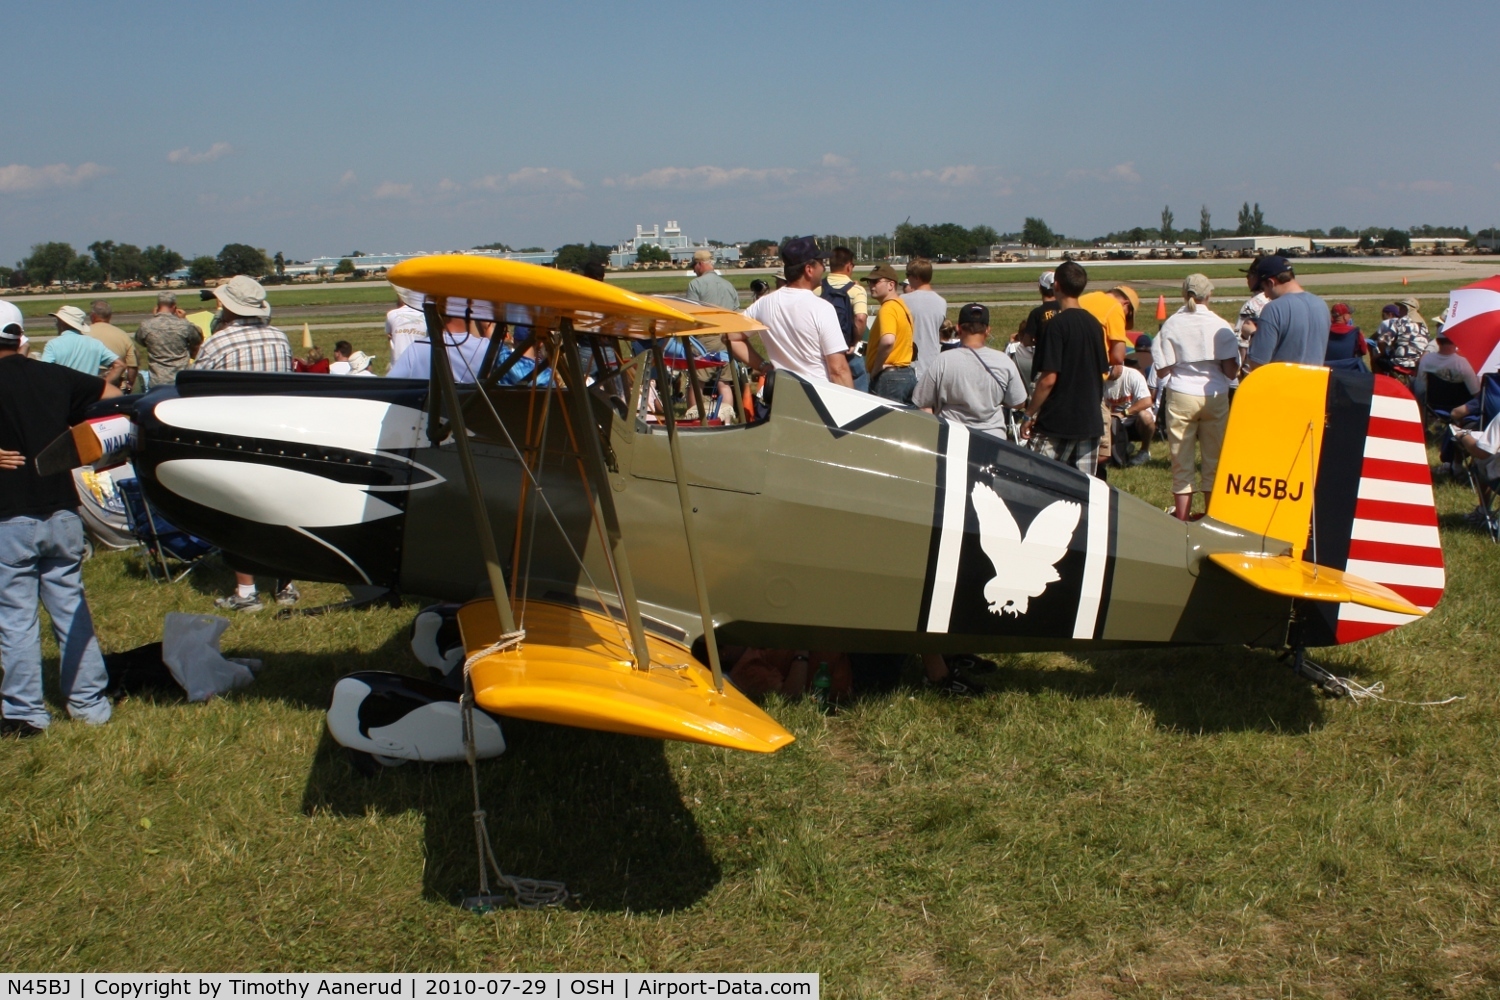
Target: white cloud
pixel 835 160
pixel 18 177
pixel 703 178
pixel 950 176
pixel 1122 172
pixel 447 186
pixel 390 189
pixel 209 155
pixel 348 178
pixel 531 179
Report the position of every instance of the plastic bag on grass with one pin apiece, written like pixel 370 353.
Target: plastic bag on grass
pixel 190 649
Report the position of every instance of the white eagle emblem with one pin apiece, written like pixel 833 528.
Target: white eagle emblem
pixel 1023 567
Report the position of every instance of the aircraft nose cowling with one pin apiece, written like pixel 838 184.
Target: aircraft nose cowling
pixel 311 485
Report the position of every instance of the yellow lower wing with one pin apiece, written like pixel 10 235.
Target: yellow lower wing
pixel 574 669
pixel 1295 578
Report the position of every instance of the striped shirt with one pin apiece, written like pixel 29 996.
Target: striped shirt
pixel 247 344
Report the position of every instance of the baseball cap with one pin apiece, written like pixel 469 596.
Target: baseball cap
pixel 1390 310
pixel 1411 302
pixel 800 250
pixel 12 325
pixel 882 271
pixel 1340 309
pixel 1198 286
pixel 72 316
pixel 973 314
pixel 1047 280
pixel 1129 293
pixel 1269 266
pixel 1143 342
pixel 704 255
pixel 243 296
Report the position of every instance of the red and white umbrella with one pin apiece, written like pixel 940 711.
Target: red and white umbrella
pixel 1472 322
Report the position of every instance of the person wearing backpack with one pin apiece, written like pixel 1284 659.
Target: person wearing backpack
pixel 851 305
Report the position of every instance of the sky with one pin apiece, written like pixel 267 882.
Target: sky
pixel 326 128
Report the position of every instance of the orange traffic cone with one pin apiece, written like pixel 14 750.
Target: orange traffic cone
pixel 1161 307
pixel 1403 279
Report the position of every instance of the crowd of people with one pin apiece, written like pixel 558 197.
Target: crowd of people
pixel 1076 383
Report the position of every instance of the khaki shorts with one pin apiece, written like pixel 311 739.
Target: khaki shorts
pixel 1194 420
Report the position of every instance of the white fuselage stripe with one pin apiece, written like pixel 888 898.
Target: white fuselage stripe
pixel 1395 492
pixel 951 534
pixel 1393 450
pixel 1395 408
pixel 1398 573
pixel 1424 536
pixel 1096 557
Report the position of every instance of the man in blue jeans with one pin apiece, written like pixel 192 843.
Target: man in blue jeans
pixel 41 541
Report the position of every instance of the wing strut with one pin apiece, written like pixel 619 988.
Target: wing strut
pixel 442 374
pixel 684 500
pixel 588 443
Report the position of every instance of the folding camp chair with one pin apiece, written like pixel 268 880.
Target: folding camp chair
pixel 1441 399
pixel 167 548
pixel 1486 490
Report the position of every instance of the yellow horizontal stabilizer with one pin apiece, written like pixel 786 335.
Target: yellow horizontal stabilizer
pixel 574 669
pixel 1295 578
pixel 530 293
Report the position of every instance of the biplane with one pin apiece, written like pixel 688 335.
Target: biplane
pixel 598 552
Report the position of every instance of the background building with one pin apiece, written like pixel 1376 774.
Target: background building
pixel 670 239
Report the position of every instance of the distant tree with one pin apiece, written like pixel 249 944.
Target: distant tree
pixel 358 253
pixel 48 262
pixel 104 252
pixel 1167 234
pixel 322 271
pixel 345 266
pixel 531 250
pixel 1244 228
pixel 1258 221
pixel 759 248
pixel 1340 233
pixel 1205 225
pixel 502 247
pixel 1037 233
pixel 280 263
pixel 84 270
pixel 202 270
pixel 1396 239
pixel 575 256
pixel 161 262
pixel 982 237
pixel 6 275
pixel 241 258
pixel 18 278
pixel 649 254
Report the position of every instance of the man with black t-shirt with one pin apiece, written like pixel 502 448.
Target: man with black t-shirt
pixel 1038 317
pixel 41 540
pixel 1063 419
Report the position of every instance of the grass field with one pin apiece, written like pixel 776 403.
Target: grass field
pixel 1155 823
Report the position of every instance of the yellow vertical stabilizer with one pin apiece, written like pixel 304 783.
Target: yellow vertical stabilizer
pixel 574 669
pixel 1269 466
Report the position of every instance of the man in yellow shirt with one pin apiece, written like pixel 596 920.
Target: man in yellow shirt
pixel 1115 311
pixel 888 353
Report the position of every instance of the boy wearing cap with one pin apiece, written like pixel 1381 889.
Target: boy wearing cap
pixel 1039 316
pixel 171 342
pixel 73 348
pixel 888 354
pixel 42 540
pixel 802 331
pixel 1294 324
pixel 973 383
pixel 709 287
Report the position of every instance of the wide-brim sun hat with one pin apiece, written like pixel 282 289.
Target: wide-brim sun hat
pixel 243 296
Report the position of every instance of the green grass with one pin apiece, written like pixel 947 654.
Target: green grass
pixel 1158 823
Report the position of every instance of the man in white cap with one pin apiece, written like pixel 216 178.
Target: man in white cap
pixel 42 540
pixel 244 339
pixel 73 348
pixel 405 324
pixel 709 287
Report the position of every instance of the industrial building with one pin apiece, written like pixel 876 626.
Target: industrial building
pixel 1258 244
pixel 670 239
